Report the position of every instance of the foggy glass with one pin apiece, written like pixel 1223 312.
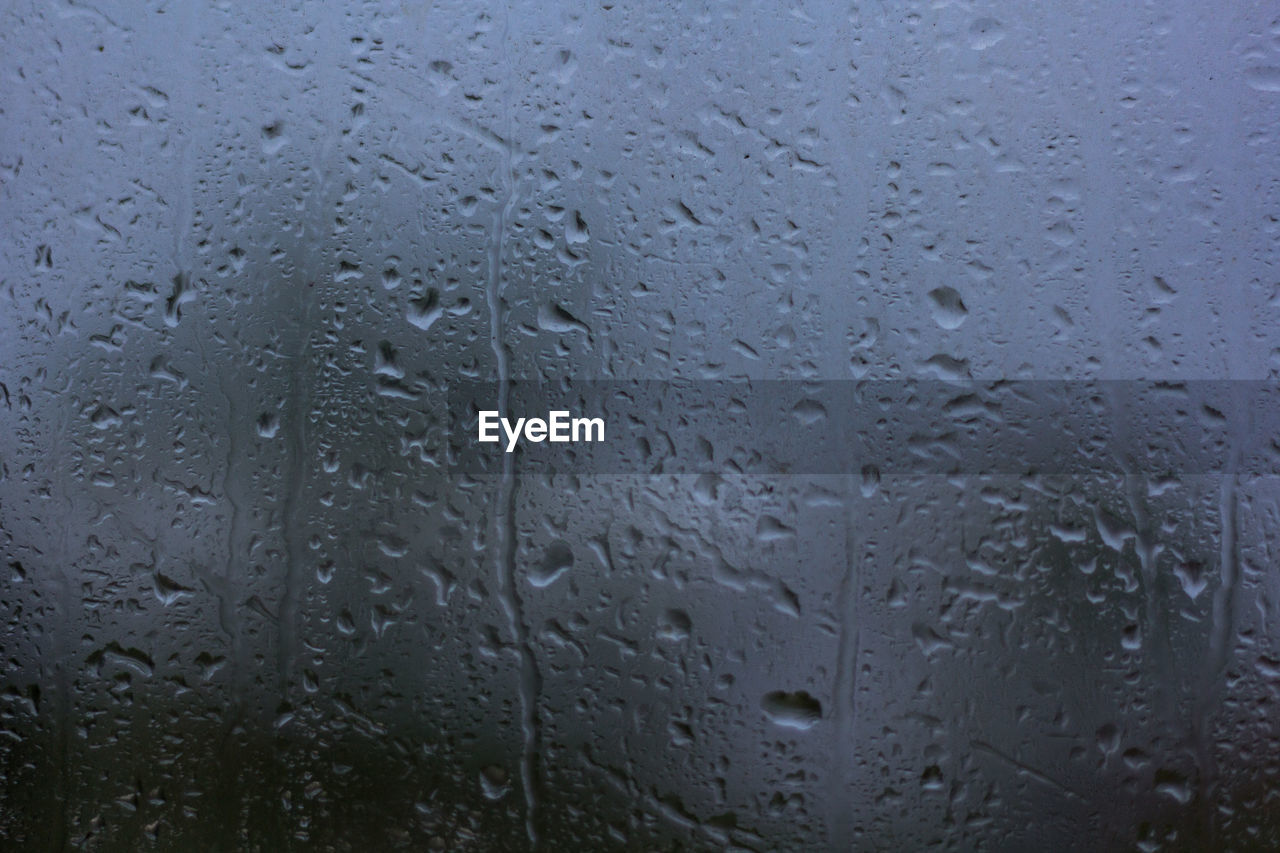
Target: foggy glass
pixel 252 600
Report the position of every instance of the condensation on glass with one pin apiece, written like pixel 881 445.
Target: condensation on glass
pixel 248 603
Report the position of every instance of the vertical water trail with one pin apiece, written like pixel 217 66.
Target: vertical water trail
pixel 229 778
pixel 843 757
pixel 224 585
pixel 313 283
pixel 504 521
pixel 1158 640
pixel 312 278
pixel 1155 602
pixel 1223 627
pixel 228 613
pixel 293 514
pixel 62 645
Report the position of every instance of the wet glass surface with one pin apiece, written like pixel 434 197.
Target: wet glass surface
pixel 256 595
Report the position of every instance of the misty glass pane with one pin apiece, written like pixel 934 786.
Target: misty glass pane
pixel 937 346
